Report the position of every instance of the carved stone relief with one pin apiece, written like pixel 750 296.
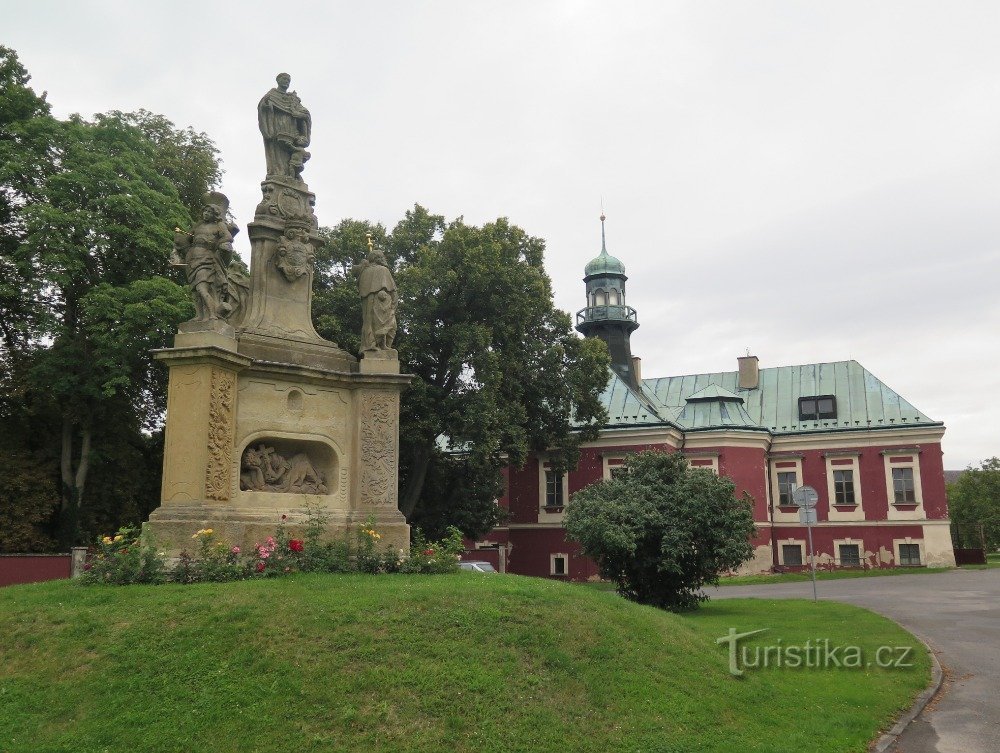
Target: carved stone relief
pixel 294 256
pixel 263 469
pixel 379 418
pixel 220 435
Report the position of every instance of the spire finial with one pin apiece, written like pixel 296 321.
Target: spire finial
pixel 604 245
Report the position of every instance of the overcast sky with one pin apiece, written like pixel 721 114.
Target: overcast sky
pixel 812 181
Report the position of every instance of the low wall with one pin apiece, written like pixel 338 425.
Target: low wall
pixel 35 568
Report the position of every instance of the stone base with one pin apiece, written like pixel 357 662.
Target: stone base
pixel 379 362
pixel 212 333
pixel 171 527
pixel 315 354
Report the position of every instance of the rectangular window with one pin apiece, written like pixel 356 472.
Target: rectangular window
pixel 850 555
pixel 786 485
pixel 843 487
pixel 816 408
pixel 618 471
pixel 902 486
pixel 558 564
pixel 909 555
pixel 553 489
pixel 791 554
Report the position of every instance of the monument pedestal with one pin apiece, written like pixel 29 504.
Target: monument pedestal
pixel 331 441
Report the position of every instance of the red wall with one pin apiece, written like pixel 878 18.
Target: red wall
pixel 748 468
pixel 33 568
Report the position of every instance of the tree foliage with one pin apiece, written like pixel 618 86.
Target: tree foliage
pixel 499 371
pixel 974 502
pixel 87 211
pixel 661 531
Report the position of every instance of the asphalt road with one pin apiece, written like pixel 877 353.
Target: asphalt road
pixel 958 615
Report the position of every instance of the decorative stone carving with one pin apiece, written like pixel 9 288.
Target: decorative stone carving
pixel 379 419
pixel 264 470
pixel 217 276
pixel 282 202
pixel 287 128
pixel 220 435
pixel 294 256
pixel 379 300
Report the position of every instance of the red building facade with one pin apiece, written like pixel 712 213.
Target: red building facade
pixel 874 459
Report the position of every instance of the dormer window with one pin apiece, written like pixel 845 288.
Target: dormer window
pixel 817 408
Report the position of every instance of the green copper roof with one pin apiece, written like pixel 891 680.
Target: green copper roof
pixel 604 263
pixel 863 401
pixel 714 401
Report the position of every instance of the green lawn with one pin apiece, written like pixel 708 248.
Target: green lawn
pixel 425 663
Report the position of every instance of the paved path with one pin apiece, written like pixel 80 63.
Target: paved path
pixel 958 614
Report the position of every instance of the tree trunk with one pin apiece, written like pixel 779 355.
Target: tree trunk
pixel 72 483
pixel 421 459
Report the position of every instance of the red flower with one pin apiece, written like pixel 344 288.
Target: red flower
pixel 260 567
pixel 296 545
pixel 429 552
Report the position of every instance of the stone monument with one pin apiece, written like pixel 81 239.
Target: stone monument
pixel 265 417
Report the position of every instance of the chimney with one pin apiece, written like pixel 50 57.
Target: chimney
pixel 749 372
pixel 637 369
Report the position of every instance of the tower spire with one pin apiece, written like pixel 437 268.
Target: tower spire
pixel 604 245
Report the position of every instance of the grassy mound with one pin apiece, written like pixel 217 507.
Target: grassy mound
pixel 424 663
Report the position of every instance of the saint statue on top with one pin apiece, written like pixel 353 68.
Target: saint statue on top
pixel 287 128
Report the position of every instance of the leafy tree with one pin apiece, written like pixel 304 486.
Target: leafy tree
pixel 662 531
pixel 87 211
pixel 974 501
pixel 499 371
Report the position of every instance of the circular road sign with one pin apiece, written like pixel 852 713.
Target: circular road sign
pixel 805 496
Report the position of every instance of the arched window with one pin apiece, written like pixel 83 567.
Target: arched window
pixel 600 297
pixel 613 297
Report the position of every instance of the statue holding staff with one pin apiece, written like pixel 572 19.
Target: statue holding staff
pixel 379 301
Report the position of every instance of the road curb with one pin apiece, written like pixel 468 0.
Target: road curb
pixel 937 677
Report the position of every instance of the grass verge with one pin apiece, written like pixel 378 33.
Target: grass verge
pixel 425 663
pixel 752 580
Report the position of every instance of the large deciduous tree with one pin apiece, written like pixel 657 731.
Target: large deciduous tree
pixel 974 502
pixel 499 371
pixel 661 530
pixel 87 210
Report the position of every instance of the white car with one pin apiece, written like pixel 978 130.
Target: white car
pixel 477 566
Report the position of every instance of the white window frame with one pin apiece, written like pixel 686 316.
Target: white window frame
pixel 610 462
pixel 849 542
pixel 781 516
pixel 801 543
pixel 909 540
pixel 545 513
pixel 552 564
pixel 846 513
pixel 912 462
pixel 696 460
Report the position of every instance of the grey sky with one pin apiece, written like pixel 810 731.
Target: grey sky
pixel 812 181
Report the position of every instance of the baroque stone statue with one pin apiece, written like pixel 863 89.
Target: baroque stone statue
pixel 287 128
pixel 379 301
pixel 264 470
pixel 215 273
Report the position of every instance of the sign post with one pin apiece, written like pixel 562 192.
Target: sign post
pixel 805 497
